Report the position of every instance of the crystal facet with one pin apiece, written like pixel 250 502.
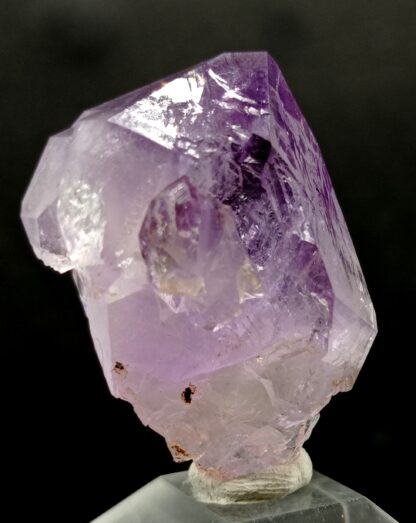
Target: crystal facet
pixel 224 295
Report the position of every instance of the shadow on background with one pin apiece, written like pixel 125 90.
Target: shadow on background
pixel 352 68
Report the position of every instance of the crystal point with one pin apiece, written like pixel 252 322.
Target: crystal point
pixel 225 299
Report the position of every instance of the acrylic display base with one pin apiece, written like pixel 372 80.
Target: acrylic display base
pixel 168 499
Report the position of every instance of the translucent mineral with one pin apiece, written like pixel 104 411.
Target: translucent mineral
pixel 224 295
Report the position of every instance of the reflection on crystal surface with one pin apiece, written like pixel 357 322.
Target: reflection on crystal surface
pixel 209 250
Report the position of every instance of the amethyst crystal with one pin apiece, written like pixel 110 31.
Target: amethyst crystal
pixel 224 295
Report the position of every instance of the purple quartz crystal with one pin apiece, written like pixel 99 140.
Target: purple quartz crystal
pixel 224 295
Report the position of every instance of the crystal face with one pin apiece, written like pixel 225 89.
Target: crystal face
pixel 223 292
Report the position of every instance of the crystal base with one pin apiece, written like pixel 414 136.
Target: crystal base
pixel 168 499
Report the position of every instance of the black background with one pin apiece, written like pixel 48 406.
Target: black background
pixel 352 67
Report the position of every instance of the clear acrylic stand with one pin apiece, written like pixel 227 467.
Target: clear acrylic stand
pixel 168 499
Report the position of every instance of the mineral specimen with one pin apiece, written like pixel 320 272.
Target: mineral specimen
pixel 224 295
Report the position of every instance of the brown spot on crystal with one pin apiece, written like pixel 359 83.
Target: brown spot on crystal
pixel 188 393
pixel 344 384
pixel 179 453
pixel 119 368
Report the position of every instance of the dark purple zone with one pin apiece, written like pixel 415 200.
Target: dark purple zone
pixel 261 180
pixel 257 182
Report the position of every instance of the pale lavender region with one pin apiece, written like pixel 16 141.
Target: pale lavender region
pixel 225 299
